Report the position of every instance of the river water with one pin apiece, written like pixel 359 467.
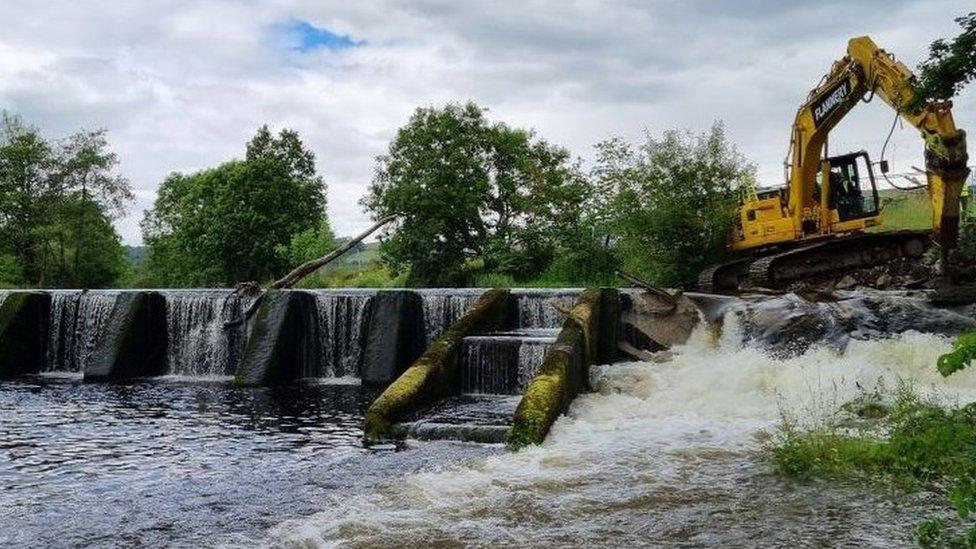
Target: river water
pixel 663 454
pixel 669 454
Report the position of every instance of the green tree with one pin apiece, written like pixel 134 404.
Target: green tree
pixel 57 203
pixel 670 202
pixel 950 66
pixel 237 221
pixel 473 197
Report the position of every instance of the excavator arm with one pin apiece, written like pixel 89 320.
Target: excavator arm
pixel 865 72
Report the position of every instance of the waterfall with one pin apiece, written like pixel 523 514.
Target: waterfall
pixel 534 308
pixel 337 331
pixel 3 295
pixel 76 322
pixel 197 343
pixel 502 363
pixel 443 307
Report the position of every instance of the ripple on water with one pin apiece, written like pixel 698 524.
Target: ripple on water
pixel 179 463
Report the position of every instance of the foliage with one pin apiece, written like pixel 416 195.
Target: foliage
pixel 670 202
pixel 243 220
pixel 919 443
pixel 467 189
pixel 962 353
pixel 57 203
pixel 950 67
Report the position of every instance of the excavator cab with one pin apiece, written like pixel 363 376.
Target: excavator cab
pixel 852 189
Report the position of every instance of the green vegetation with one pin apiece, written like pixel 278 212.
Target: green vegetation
pixel 497 206
pixel 670 203
pixel 906 210
pixel 244 220
pixel 474 197
pixel 58 199
pixel 911 443
pixel 950 66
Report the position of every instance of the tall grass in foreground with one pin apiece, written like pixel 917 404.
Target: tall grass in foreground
pixel 910 443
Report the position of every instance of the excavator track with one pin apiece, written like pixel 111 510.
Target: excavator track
pixel 835 257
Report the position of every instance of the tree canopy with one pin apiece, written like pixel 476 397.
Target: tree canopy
pixel 473 197
pixel 950 66
pixel 670 202
pixel 243 220
pixel 57 203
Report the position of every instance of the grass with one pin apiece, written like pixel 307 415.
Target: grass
pixel 911 443
pixel 906 210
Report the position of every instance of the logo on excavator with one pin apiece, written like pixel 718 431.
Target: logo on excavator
pixel 830 101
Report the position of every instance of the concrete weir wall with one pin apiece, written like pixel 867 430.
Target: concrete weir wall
pixel 436 373
pixel 134 341
pixel 273 354
pixel 588 336
pixel 23 329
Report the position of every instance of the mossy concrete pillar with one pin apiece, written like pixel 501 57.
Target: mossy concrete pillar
pixel 23 332
pixel 133 343
pixel 436 373
pixel 276 349
pixel 394 335
pixel 587 337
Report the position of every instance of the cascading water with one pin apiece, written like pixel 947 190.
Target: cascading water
pixel 503 363
pixel 76 322
pixel 337 331
pixel 536 308
pixel 443 307
pixel 666 454
pixel 197 342
pixel 3 295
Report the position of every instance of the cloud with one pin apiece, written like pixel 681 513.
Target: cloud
pixel 181 85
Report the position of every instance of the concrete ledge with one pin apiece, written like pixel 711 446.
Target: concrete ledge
pixel 436 373
pixel 134 341
pixel 23 332
pixel 589 335
pixel 274 353
pixel 394 335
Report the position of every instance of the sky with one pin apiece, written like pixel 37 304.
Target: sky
pixel 182 85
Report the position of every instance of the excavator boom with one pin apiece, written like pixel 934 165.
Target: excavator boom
pixel 827 198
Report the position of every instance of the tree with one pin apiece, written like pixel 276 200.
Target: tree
pixel 670 202
pixel 473 196
pixel 57 203
pixel 237 222
pixel 950 66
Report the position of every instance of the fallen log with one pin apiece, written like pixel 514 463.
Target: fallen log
pixel 300 272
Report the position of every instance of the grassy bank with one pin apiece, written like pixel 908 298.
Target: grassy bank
pixel 908 443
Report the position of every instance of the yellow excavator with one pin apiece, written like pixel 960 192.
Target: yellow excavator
pixel 817 225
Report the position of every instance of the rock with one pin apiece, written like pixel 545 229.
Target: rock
pixel 883 281
pixel 846 283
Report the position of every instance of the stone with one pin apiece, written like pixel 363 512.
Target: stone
pixel 134 341
pixel 23 331
pixel 846 283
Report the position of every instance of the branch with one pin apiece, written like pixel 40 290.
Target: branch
pixel 310 267
pixel 299 273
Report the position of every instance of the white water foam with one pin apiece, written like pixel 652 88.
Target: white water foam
pixel 659 454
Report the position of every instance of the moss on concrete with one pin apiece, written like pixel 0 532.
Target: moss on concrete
pixel 588 335
pixel 435 374
pixel 23 324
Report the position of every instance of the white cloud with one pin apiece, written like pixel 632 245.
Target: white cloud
pixel 181 85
